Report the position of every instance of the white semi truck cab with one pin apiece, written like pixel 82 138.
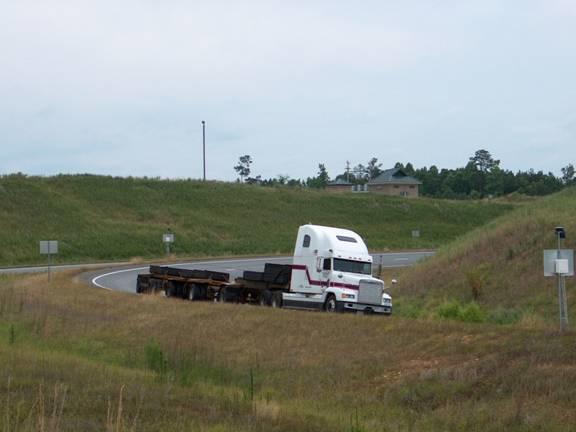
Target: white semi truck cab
pixel 332 270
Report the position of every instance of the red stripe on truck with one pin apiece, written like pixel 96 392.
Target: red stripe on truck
pixel 320 283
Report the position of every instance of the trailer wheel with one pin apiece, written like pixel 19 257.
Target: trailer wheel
pixel 140 284
pixel 332 305
pixel 156 285
pixel 224 295
pixel 276 301
pixel 195 292
pixel 170 290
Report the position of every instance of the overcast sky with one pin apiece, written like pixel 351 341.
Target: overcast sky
pixel 121 87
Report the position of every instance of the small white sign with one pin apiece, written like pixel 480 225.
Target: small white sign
pixel 168 238
pixel 563 265
pixel 48 247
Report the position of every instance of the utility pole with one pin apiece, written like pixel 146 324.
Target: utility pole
pixel 348 171
pixel 204 148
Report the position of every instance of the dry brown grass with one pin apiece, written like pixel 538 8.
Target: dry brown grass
pixel 311 371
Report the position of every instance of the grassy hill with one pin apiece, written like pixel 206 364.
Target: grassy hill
pixel 497 267
pixel 105 218
pixel 79 358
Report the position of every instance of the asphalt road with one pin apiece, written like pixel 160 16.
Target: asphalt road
pixel 125 279
pixel 59 267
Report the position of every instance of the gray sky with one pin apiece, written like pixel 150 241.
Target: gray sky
pixel 120 87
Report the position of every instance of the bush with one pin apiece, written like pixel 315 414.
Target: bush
pixel 454 310
pixel 472 313
pixel 449 310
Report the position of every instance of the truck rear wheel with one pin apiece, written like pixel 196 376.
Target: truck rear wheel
pixel 276 300
pixel 265 298
pixel 332 305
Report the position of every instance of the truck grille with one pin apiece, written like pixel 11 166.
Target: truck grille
pixel 370 292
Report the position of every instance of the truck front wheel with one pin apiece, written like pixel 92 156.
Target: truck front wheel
pixel 332 305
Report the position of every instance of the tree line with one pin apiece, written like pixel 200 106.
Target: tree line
pixel 481 177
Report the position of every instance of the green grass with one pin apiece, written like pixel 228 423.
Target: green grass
pixel 105 218
pixel 79 358
pixel 497 267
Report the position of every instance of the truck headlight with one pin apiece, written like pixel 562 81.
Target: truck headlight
pixel 349 296
pixel 386 301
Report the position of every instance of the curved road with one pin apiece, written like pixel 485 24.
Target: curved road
pixel 125 279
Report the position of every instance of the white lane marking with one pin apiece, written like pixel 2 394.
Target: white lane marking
pixel 95 280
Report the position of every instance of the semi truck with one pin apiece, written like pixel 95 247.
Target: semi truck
pixel 331 270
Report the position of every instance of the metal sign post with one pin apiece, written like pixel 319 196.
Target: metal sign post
pixel 560 263
pixel 168 239
pixel 204 149
pixel 49 247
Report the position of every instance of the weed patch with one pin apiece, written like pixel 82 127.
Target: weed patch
pixel 155 358
pixel 454 310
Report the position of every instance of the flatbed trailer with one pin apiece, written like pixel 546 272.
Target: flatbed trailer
pixel 331 270
pixel 264 288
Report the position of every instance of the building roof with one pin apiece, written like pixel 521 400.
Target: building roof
pixel 339 182
pixel 394 176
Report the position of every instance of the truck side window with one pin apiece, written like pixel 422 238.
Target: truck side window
pixel 306 241
pixel 327 264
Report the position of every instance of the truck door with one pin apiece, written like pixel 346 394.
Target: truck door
pixel 326 272
pixel 318 280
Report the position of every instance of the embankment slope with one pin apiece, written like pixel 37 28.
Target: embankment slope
pixel 105 218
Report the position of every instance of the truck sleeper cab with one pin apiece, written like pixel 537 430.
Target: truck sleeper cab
pixel 332 270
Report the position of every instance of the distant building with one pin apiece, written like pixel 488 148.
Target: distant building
pixel 395 182
pixel 339 185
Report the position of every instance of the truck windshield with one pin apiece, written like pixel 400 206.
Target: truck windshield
pixel 352 266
